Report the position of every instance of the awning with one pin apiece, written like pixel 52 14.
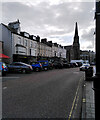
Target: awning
pixel 3 56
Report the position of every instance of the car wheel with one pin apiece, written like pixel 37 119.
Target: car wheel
pixel 3 73
pixel 23 71
pixel 80 69
pixel 37 69
pixel 45 68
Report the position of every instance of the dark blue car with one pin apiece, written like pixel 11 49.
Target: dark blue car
pixel 37 66
pixel 45 64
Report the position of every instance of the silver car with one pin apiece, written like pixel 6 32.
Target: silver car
pixel 19 67
pixel 84 67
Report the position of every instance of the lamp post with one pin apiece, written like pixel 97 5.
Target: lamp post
pixel 97 76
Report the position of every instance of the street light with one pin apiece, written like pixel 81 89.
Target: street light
pixel 97 76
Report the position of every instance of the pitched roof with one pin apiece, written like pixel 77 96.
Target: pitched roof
pixel 68 47
pixel 12 30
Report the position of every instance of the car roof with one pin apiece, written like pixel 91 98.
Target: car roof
pixel 21 63
pixel 86 64
pixel 43 61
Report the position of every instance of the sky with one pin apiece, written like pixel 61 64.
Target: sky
pixel 54 19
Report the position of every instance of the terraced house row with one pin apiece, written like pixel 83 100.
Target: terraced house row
pixel 21 46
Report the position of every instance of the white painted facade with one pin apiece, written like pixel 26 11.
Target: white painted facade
pixel 54 51
pixel 23 45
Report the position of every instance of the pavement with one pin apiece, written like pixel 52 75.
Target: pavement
pixel 88 105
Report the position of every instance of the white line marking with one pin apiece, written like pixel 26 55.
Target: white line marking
pixel 4 88
pixel 10 77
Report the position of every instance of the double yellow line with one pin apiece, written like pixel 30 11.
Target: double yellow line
pixel 75 99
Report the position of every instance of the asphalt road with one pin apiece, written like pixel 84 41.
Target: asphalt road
pixel 49 94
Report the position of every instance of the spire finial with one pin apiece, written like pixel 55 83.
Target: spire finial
pixel 76 30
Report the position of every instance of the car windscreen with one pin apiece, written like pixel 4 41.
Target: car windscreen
pixel 35 63
pixel 44 63
pixel 86 65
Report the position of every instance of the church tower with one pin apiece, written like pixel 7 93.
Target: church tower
pixel 76 45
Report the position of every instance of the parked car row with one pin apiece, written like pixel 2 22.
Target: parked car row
pixel 36 66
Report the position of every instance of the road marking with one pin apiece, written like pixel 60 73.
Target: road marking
pixel 76 102
pixel 75 99
pixel 4 88
pixel 84 100
pixel 10 77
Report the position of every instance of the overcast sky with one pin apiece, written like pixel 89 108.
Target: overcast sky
pixel 54 19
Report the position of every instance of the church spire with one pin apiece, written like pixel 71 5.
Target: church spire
pixel 76 37
pixel 76 45
pixel 76 30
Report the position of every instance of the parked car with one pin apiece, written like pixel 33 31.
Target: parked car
pixel 93 63
pixel 51 65
pixel 37 66
pixel 79 64
pixel 84 67
pixel 3 68
pixel 45 64
pixel 73 65
pixel 65 64
pixel 58 64
pixel 20 67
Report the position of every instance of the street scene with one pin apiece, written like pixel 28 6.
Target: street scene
pixel 46 94
pixel 49 59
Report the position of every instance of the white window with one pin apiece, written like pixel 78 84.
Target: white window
pixel 31 44
pixel 32 52
pixel 26 34
pixel 25 43
pixel 34 37
pixel 20 50
pixel 19 40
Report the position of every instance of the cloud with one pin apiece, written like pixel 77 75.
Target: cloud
pixel 51 19
pixel 88 35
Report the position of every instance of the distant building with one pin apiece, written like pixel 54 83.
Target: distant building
pixel 76 45
pixel 73 51
pixel 68 53
pixel 55 50
pixel 87 55
pixel 21 46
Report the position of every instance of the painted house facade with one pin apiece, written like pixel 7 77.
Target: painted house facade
pixel 21 46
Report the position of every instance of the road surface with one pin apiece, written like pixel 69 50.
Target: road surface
pixel 49 94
